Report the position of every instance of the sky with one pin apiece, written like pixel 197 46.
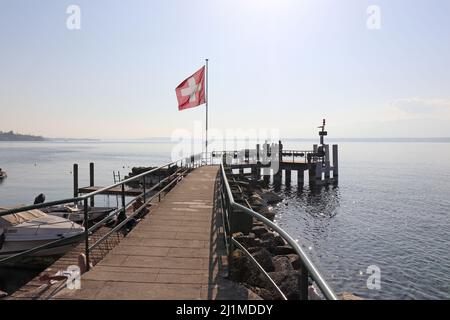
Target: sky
pixel 274 64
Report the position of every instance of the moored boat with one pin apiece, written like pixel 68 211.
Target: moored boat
pixel 76 213
pixel 26 230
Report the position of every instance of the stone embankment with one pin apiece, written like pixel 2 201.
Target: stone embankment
pixel 271 251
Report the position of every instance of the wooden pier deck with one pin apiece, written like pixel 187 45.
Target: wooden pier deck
pixel 176 252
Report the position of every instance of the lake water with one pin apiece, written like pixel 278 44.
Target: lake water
pixel 390 210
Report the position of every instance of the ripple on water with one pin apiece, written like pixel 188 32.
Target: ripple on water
pixel 391 221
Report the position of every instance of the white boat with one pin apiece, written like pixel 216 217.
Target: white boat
pixel 76 213
pixel 23 231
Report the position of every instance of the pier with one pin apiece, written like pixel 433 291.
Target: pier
pixel 177 252
pixel 180 238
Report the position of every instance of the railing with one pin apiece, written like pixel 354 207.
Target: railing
pixel 307 154
pixel 182 165
pixel 247 155
pixel 308 269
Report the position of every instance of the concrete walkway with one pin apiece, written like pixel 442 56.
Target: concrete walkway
pixel 176 252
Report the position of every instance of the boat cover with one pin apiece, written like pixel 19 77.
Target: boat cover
pixel 14 219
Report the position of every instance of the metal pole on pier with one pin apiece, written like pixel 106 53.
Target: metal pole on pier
pixel 206 94
pixel 91 180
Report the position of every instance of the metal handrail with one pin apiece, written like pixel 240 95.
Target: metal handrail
pixel 189 161
pixel 88 195
pixel 305 260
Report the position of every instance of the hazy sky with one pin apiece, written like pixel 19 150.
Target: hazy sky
pixel 282 64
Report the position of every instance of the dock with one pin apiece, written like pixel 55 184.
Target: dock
pixel 192 236
pixel 176 252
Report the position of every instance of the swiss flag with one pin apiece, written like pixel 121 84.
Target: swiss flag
pixel 191 92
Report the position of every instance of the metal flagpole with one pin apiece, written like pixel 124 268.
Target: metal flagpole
pixel 206 93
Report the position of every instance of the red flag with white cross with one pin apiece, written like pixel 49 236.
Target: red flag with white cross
pixel 191 92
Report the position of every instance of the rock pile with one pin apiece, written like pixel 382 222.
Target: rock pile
pixel 277 258
pixel 259 196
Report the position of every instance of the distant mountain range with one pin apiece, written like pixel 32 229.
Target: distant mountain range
pixel 11 136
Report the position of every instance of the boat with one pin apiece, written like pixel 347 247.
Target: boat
pixel 26 230
pixel 76 213
pixel 3 174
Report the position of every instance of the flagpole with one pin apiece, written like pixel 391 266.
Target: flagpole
pixel 206 93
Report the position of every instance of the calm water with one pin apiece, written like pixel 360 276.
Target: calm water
pixel 391 208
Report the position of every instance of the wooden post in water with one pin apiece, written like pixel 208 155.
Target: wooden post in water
pixel 277 177
pixel 287 177
pixel 254 171
pixel 75 180
pixel 300 177
pixel 312 175
pixel 257 153
pixel 327 163
pixel 335 163
pixel 91 181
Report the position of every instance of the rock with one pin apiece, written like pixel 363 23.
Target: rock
pixel 257 223
pixel 268 244
pixel 271 197
pixel 349 296
pixel 253 249
pixel 267 236
pixel 282 263
pixel 258 184
pixel 243 270
pixel 313 294
pixel 267 212
pixel 248 241
pixel 295 261
pixel 288 282
pixel 237 234
pixel 259 230
pixel 256 201
pixel 282 250
pixel 266 294
pixel 243 184
pixel 264 259
pixel 278 241
pixel 3 294
pixel 238 266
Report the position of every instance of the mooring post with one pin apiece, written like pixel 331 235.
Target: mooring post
pixel 300 177
pixel 312 174
pixel 314 152
pixel 327 163
pixel 280 151
pixel 254 169
pixel 335 163
pixel 257 153
pixel 277 177
pixel 91 180
pixel 287 177
pixel 75 180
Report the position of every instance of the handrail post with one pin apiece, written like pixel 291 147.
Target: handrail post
pixel 86 233
pixel 123 199
pixel 91 180
pixel 75 180
pixel 159 184
pixel 143 186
